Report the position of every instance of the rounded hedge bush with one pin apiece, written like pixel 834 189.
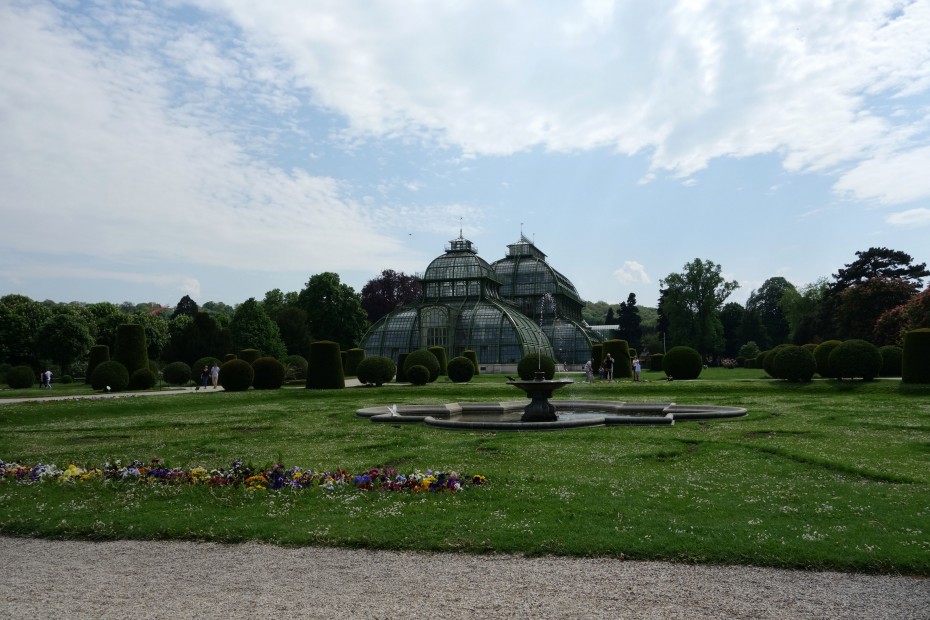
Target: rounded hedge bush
pixel 533 362
pixel 473 356
pixel 855 358
pixel 401 361
pixel 229 357
pixel 21 377
pixel 760 360
pixel 422 357
pixel 822 357
pixel 418 375
pixel 176 373
pixel 793 363
pixel 269 373
pixel 461 369
pixel 440 353
pixel 655 362
pixel 915 359
pixel 67 379
pixel 142 379
pixel 891 360
pixel 353 357
pixel 375 370
pixel 98 353
pixel 249 355
pixel 769 363
pixel 682 363
pixel 324 370
pixel 110 374
pixel 236 375
pixel 295 367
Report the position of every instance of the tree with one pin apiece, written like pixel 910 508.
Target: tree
pixel 880 262
pixel 157 333
pixel 803 311
pixel 276 302
pixel 294 328
pixel 20 318
pixel 691 303
pixel 64 337
pixel 862 304
pixel 251 328
pixel 610 319
pixel 766 302
pixel 198 337
pixel 593 312
pixel 186 307
pixel 107 317
pixel 334 309
pixel 389 291
pixel 731 318
pixel 629 322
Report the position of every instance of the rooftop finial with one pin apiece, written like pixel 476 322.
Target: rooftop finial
pixel 460 228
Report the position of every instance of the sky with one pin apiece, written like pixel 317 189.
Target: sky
pixel 224 148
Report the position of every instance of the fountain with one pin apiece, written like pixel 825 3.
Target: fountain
pixel 540 391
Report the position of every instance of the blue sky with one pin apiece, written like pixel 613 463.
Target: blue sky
pixel 223 148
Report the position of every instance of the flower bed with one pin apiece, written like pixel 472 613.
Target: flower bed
pixel 238 474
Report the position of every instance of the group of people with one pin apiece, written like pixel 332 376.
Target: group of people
pixel 209 375
pixel 606 370
pixel 46 379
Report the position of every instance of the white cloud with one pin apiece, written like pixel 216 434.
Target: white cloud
pixel 894 178
pixel 632 272
pixel 910 218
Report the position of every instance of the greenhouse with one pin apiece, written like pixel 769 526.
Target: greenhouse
pixel 544 294
pixel 461 309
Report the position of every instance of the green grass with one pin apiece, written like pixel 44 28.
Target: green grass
pixel 828 475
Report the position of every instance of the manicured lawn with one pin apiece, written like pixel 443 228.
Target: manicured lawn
pixel 829 475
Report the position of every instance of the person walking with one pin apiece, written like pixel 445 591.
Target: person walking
pixel 215 373
pixel 204 377
pixel 589 371
pixel 47 379
pixel 609 368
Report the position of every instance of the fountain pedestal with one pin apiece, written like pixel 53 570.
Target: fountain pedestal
pixel 540 391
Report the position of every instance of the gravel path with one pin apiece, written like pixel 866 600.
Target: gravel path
pixel 131 579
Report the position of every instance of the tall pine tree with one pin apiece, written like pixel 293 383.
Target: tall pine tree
pixel 630 323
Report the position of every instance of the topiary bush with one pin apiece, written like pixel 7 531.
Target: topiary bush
pixel 915 358
pixel 418 375
pixel 401 360
pixel 130 348
pixel 620 350
pixel 769 363
pixel 110 374
pixel 98 353
pixel 440 353
pixel 891 360
pixel 760 360
pixel 473 356
pixel 375 370
pixel 532 362
pixel 67 379
pixel 682 363
pixel 249 355
pixel 176 373
pixel 269 373
pixel 597 354
pixel 422 357
pixel 142 379
pixel 461 369
pixel 229 357
pixel 324 370
pixel 655 362
pixel 822 357
pixel 793 363
pixel 855 358
pixel 295 367
pixel 21 377
pixel 353 357
pixel 236 375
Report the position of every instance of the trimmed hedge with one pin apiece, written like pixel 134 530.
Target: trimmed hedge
pixel 425 358
pixel 176 373
pixel 229 357
pixel 324 371
pixel 98 353
pixel 440 353
pixel 142 379
pixel 793 363
pixel 473 356
pixel 597 354
pixel 236 375
pixel 353 357
pixel 249 355
pixel 401 361
pixel 891 360
pixel 130 349
pixel 21 377
pixel 655 362
pixel 269 373
pixel 295 367
pixel 915 359
pixel 682 363
pixel 67 379
pixel 822 357
pixel 461 369
pixel 375 370
pixel 769 363
pixel 620 350
pixel 532 362
pixel 856 358
pixel 418 375
pixel 112 374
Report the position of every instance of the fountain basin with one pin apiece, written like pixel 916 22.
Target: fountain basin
pixel 507 416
